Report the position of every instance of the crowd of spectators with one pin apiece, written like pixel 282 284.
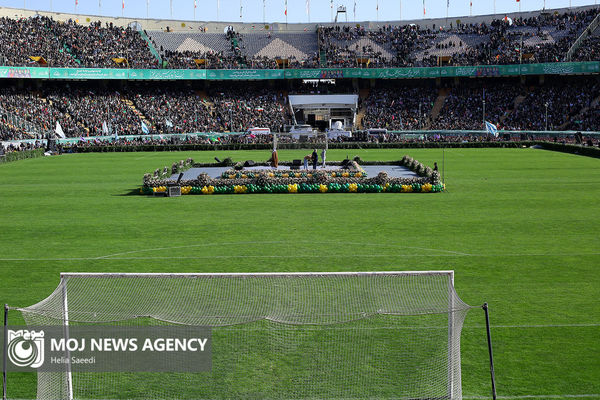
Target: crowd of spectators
pixel 21 110
pixel 94 112
pixel 398 108
pixel 101 47
pixel 589 49
pixel 238 110
pixel 560 102
pixel 570 104
pixel 543 38
pixel 502 41
pixel 70 44
pixel 463 107
pixel 23 38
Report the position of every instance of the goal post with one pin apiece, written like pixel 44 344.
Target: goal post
pixel 329 335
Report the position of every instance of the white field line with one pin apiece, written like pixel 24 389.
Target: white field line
pixel 285 242
pixel 268 256
pixel 427 252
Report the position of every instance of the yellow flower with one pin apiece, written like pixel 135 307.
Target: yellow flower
pixel 231 176
pixel 244 176
pixel 204 190
pixel 240 189
pixel 211 189
pixel 293 188
pixel 297 174
pixel 323 188
pixel 426 187
pixel 345 174
pixel 333 174
pixel 271 175
pixel 285 175
pixel 406 188
pixel 353 187
pixel 358 174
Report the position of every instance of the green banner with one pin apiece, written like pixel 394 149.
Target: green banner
pixel 88 73
pixel 168 74
pixel 244 74
pixel 562 68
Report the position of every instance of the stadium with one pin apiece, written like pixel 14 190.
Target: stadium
pixel 300 211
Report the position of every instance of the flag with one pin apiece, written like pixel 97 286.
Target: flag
pixel 194 3
pixel 491 129
pixel 308 8
pixel 104 128
pixel 285 12
pixel 145 129
pixel 59 132
pixel 123 4
pixel 168 123
pixel 424 7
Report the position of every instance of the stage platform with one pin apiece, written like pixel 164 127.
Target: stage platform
pixel 393 171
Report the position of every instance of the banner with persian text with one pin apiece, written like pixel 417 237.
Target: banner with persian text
pixel 561 68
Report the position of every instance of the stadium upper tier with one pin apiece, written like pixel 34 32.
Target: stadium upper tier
pixel 60 40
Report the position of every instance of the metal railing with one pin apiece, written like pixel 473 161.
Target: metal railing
pixel 584 35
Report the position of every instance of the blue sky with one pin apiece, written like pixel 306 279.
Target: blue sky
pixel 320 10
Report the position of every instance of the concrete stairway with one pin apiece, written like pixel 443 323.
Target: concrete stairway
pixel 363 94
pixel 437 106
pixel 518 100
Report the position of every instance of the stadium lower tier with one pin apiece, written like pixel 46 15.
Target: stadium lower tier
pixel 81 109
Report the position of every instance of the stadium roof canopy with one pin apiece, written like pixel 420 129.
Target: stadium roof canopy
pixel 324 101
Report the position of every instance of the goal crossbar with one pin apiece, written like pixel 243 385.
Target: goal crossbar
pixel 249 274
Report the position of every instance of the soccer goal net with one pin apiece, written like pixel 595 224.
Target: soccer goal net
pixel 388 335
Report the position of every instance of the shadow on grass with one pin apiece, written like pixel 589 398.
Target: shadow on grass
pixel 130 192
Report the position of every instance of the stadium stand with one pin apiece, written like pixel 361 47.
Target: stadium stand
pixel 403 108
pixel 573 103
pixel 544 37
pixel 30 109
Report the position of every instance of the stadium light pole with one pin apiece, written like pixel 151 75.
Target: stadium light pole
pixel 484 113
pixel 546 105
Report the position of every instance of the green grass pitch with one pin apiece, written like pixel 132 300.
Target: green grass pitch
pixel 519 227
